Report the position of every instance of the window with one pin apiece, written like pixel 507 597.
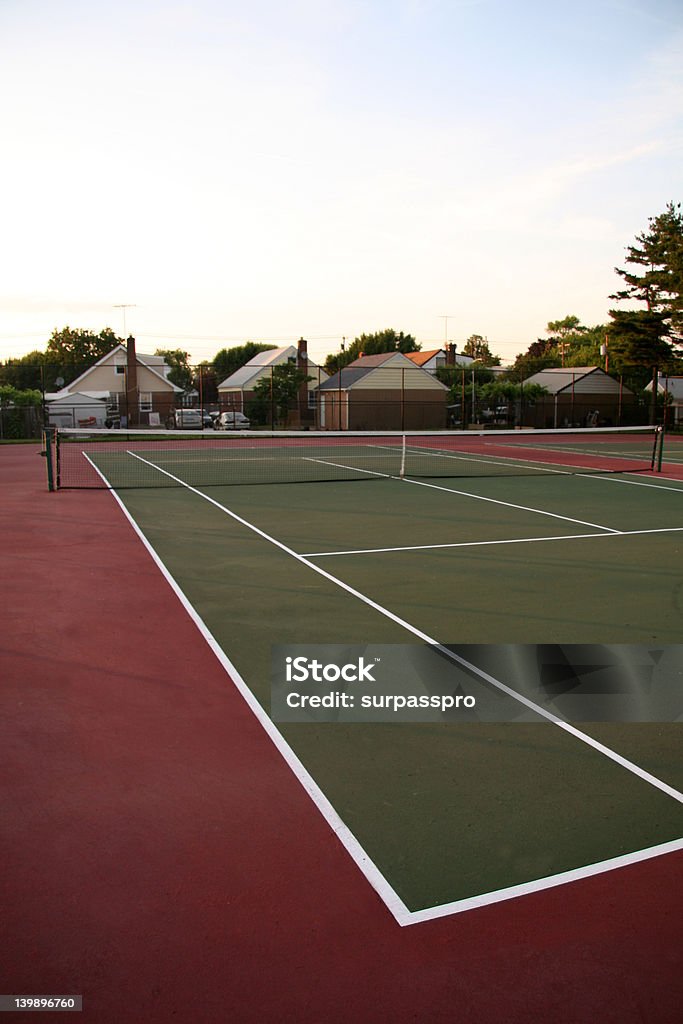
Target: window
pixel 312 399
pixel 113 402
pixel 120 369
pixel 145 401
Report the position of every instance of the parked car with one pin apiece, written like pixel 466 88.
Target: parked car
pixel 207 420
pixel 232 421
pixel 185 419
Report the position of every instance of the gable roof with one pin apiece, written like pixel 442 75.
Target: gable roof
pixel 109 357
pixel 420 358
pixel 252 370
pixel 249 374
pixel 672 385
pixel 374 360
pixel 76 398
pixel 584 379
pixel 360 369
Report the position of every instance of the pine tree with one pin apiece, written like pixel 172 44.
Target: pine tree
pixel 648 337
pixel 657 279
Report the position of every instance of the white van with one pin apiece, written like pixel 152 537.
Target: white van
pixel 232 421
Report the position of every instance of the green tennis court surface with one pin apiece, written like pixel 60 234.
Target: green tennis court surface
pixel 446 815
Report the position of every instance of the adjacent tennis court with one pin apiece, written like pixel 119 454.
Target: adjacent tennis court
pixel 567 538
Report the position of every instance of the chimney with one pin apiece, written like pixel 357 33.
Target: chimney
pixel 131 383
pixel 450 354
pixel 302 366
pixel 302 355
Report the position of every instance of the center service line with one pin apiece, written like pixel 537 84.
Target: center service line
pixel 467 494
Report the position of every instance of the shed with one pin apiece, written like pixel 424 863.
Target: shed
pixel 382 392
pixel 77 409
pixel 580 396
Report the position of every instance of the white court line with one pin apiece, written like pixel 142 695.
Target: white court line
pixel 486 543
pixel 509 504
pixel 353 469
pixel 391 899
pixel 632 483
pixel 467 494
pixel 575 875
pixel 492 460
pixel 365 864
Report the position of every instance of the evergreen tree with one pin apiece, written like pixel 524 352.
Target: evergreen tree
pixel 657 281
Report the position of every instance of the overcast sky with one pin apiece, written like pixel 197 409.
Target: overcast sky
pixel 259 170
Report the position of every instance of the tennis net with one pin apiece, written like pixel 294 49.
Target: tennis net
pixel 122 459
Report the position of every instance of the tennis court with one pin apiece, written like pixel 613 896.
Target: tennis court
pixel 566 539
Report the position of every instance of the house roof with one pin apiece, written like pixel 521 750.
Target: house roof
pixel 672 385
pixel 557 379
pixel 420 358
pixel 143 360
pixel 375 360
pixel 361 368
pixel 73 398
pixel 251 371
pixel 345 378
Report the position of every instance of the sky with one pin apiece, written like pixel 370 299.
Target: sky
pixel 233 170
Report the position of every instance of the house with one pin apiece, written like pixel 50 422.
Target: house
pixel 124 387
pixel 673 388
pixel 382 392
pixel 435 358
pixel 236 391
pixel 578 396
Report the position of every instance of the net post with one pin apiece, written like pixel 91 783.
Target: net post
pixel 402 471
pixel 58 458
pixel 659 449
pixel 47 452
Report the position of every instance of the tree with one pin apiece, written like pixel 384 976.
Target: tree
pixel 179 361
pixel 637 344
pixel 659 252
pixel 656 281
pixel 387 340
pixel 19 415
pixel 78 346
pixel 32 371
pixel 276 393
pixel 536 358
pixel 478 348
pixel 565 335
pixel 69 352
pixel 229 360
